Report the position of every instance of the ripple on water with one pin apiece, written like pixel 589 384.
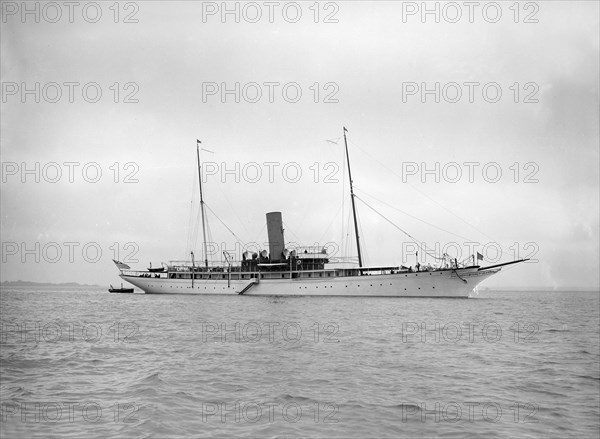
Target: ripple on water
pixel 353 371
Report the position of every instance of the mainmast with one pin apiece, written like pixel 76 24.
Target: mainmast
pixel 353 206
pixel 198 142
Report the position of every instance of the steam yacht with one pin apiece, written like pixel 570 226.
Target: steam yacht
pixel 307 271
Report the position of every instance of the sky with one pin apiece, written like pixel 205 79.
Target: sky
pixel 470 130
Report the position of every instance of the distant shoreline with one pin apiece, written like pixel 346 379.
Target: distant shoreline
pixel 539 289
pixel 24 283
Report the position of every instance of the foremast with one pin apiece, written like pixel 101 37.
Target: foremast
pixel 198 142
pixel 360 264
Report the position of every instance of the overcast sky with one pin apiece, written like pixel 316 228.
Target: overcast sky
pixel 362 65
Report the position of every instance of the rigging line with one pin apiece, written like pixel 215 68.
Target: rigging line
pixel 364 241
pixel 194 242
pixel 350 241
pixel 422 246
pixel 343 194
pixel 503 249
pixel 208 244
pixel 331 222
pixel 191 217
pixel 296 237
pixel 234 211
pixel 188 243
pixel 210 239
pixel 414 217
pixel 309 208
pixel 347 240
pixel 224 225
pixel 424 194
pixel 260 233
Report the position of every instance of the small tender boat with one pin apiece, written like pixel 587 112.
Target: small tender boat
pixel 120 290
pixel 156 270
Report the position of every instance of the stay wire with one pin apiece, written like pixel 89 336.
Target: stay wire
pixel 422 246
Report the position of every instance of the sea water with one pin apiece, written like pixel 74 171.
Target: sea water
pixel 80 362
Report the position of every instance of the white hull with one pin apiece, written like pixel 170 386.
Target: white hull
pixel 422 284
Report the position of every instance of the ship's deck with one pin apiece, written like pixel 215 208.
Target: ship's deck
pixel 222 273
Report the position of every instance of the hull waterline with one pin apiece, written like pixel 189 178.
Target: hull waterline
pixel 443 283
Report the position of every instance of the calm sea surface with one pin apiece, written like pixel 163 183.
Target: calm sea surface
pixel 80 362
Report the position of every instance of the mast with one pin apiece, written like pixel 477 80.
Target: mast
pixel 198 142
pixel 353 206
